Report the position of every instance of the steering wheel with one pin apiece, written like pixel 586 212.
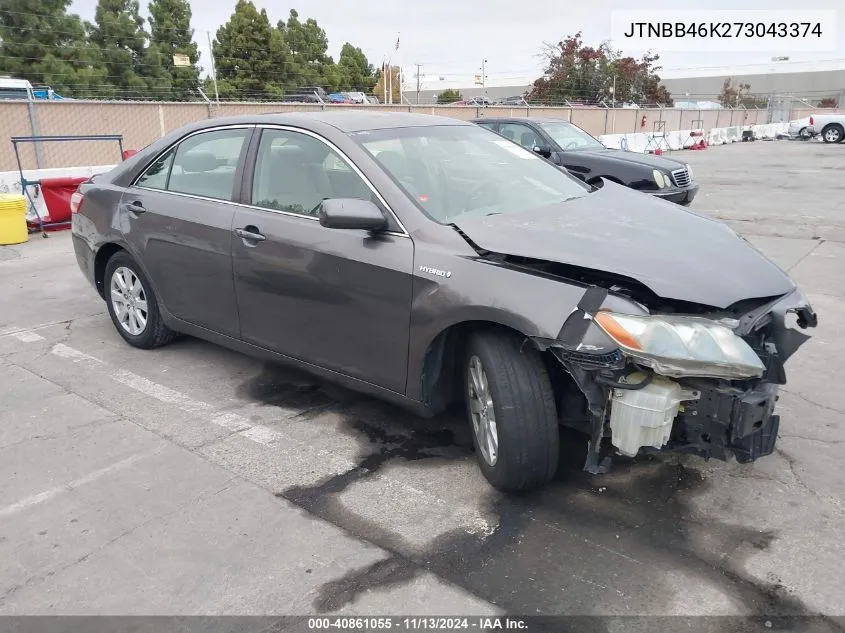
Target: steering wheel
pixel 570 144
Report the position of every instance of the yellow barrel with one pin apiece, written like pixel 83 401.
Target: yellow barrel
pixel 12 219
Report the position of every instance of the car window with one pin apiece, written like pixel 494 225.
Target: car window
pixel 570 137
pixel 520 133
pixel 156 175
pixel 295 172
pixel 489 126
pixel 205 164
pixel 450 171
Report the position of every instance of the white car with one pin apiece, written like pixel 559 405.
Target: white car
pixel 800 128
pixel 830 126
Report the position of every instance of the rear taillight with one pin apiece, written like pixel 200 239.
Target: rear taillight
pixel 76 201
pixel 811 120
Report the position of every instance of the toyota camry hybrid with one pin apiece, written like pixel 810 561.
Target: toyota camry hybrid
pixel 429 261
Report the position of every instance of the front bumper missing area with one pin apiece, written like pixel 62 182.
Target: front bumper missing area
pixel 709 417
pixel 726 421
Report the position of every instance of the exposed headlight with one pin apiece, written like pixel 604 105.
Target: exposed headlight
pixel 660 178
pixel 679 346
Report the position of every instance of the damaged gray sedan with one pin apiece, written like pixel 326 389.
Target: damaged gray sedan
pixel 428 261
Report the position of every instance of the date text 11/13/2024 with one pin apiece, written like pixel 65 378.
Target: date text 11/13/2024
pixel 416 624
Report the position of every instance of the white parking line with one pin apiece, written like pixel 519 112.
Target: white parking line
pixel 231 421
pixel 41 497
pixel 28 337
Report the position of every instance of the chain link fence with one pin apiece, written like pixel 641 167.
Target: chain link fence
pixel 141 123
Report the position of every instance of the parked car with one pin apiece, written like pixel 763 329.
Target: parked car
pixel 308 94
pixel 511 101
pixel 584 156
pixel 339 97
pixel 356 97
pixel 830 126
pixel 426 261
pixel 800 128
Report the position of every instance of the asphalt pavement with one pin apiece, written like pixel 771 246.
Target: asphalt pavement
pixel 194 480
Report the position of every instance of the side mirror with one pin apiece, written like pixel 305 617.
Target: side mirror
pixel 351 213
pixel 543 150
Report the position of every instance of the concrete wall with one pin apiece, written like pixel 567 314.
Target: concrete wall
pixel 813 85
pixel 142 123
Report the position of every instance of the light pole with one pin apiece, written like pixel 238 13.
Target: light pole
pixel 484 76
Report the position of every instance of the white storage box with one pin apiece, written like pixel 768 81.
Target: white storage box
pixel 643 417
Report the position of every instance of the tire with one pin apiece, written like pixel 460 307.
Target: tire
pixel 525 424
pixel 833 133
pixel 804 135
pixel 147 333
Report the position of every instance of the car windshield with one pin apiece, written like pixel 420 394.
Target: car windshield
pixel 570 137
pixel 451 171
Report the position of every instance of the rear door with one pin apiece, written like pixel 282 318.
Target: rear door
pixel 339 299
pixel 177 218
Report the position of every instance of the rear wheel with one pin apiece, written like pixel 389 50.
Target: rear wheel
pixel 511 410
pixel 804 134
pixel 132 304
pixel 833 133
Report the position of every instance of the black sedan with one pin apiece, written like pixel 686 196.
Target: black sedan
pixel 426 261
pixel 584 156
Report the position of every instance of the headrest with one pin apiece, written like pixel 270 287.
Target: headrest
pixel 198 161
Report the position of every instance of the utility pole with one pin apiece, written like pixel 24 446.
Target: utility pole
pixel 418 84
pixel 484 76
pixel 213 70
pixel 614 91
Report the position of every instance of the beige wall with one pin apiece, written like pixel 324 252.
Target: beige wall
pixel 142 123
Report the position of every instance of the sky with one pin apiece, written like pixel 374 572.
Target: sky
pixel 449 38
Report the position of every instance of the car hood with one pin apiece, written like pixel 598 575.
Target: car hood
pixel 651 161
pixel 675 253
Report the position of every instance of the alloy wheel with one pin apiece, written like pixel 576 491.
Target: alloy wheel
pixel 482 411
pixel 129 300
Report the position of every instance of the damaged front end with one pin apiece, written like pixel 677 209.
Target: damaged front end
pixel 704 383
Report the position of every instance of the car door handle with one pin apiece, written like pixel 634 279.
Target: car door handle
pixel 135 207
pixel 250 233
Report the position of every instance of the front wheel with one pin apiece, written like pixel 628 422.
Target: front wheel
pixel 833 133
pixel 132 304
pixel 511 409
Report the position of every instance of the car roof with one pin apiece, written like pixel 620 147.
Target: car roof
pixel 343 120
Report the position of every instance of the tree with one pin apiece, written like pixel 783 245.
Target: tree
pixel 41 42
pixel 132 70
pixel 828 102
pixel 308 63
pixel 449 96
pixel 250 55
pixel 356 73
pixel 171 34
pixel 735 96
pixel 392 75
pixel 583 74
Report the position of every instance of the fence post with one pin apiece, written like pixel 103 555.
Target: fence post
pixel 732 118
pixel 636 120
pixel 605 119
pixel 33 125
pixel 718 112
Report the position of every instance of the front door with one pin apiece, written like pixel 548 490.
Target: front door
pixel 338 299
pixel 178 219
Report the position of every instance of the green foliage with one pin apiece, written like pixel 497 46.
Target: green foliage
pixel 250 55
pixel 170 34
pixel 449 96
pixel 355 72
pixel 582 74
pixel 40 42
pixel 308 63
pixel 133 70
pixel 735 96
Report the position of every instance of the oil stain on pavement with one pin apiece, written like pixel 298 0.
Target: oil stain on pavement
pixel 618 543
